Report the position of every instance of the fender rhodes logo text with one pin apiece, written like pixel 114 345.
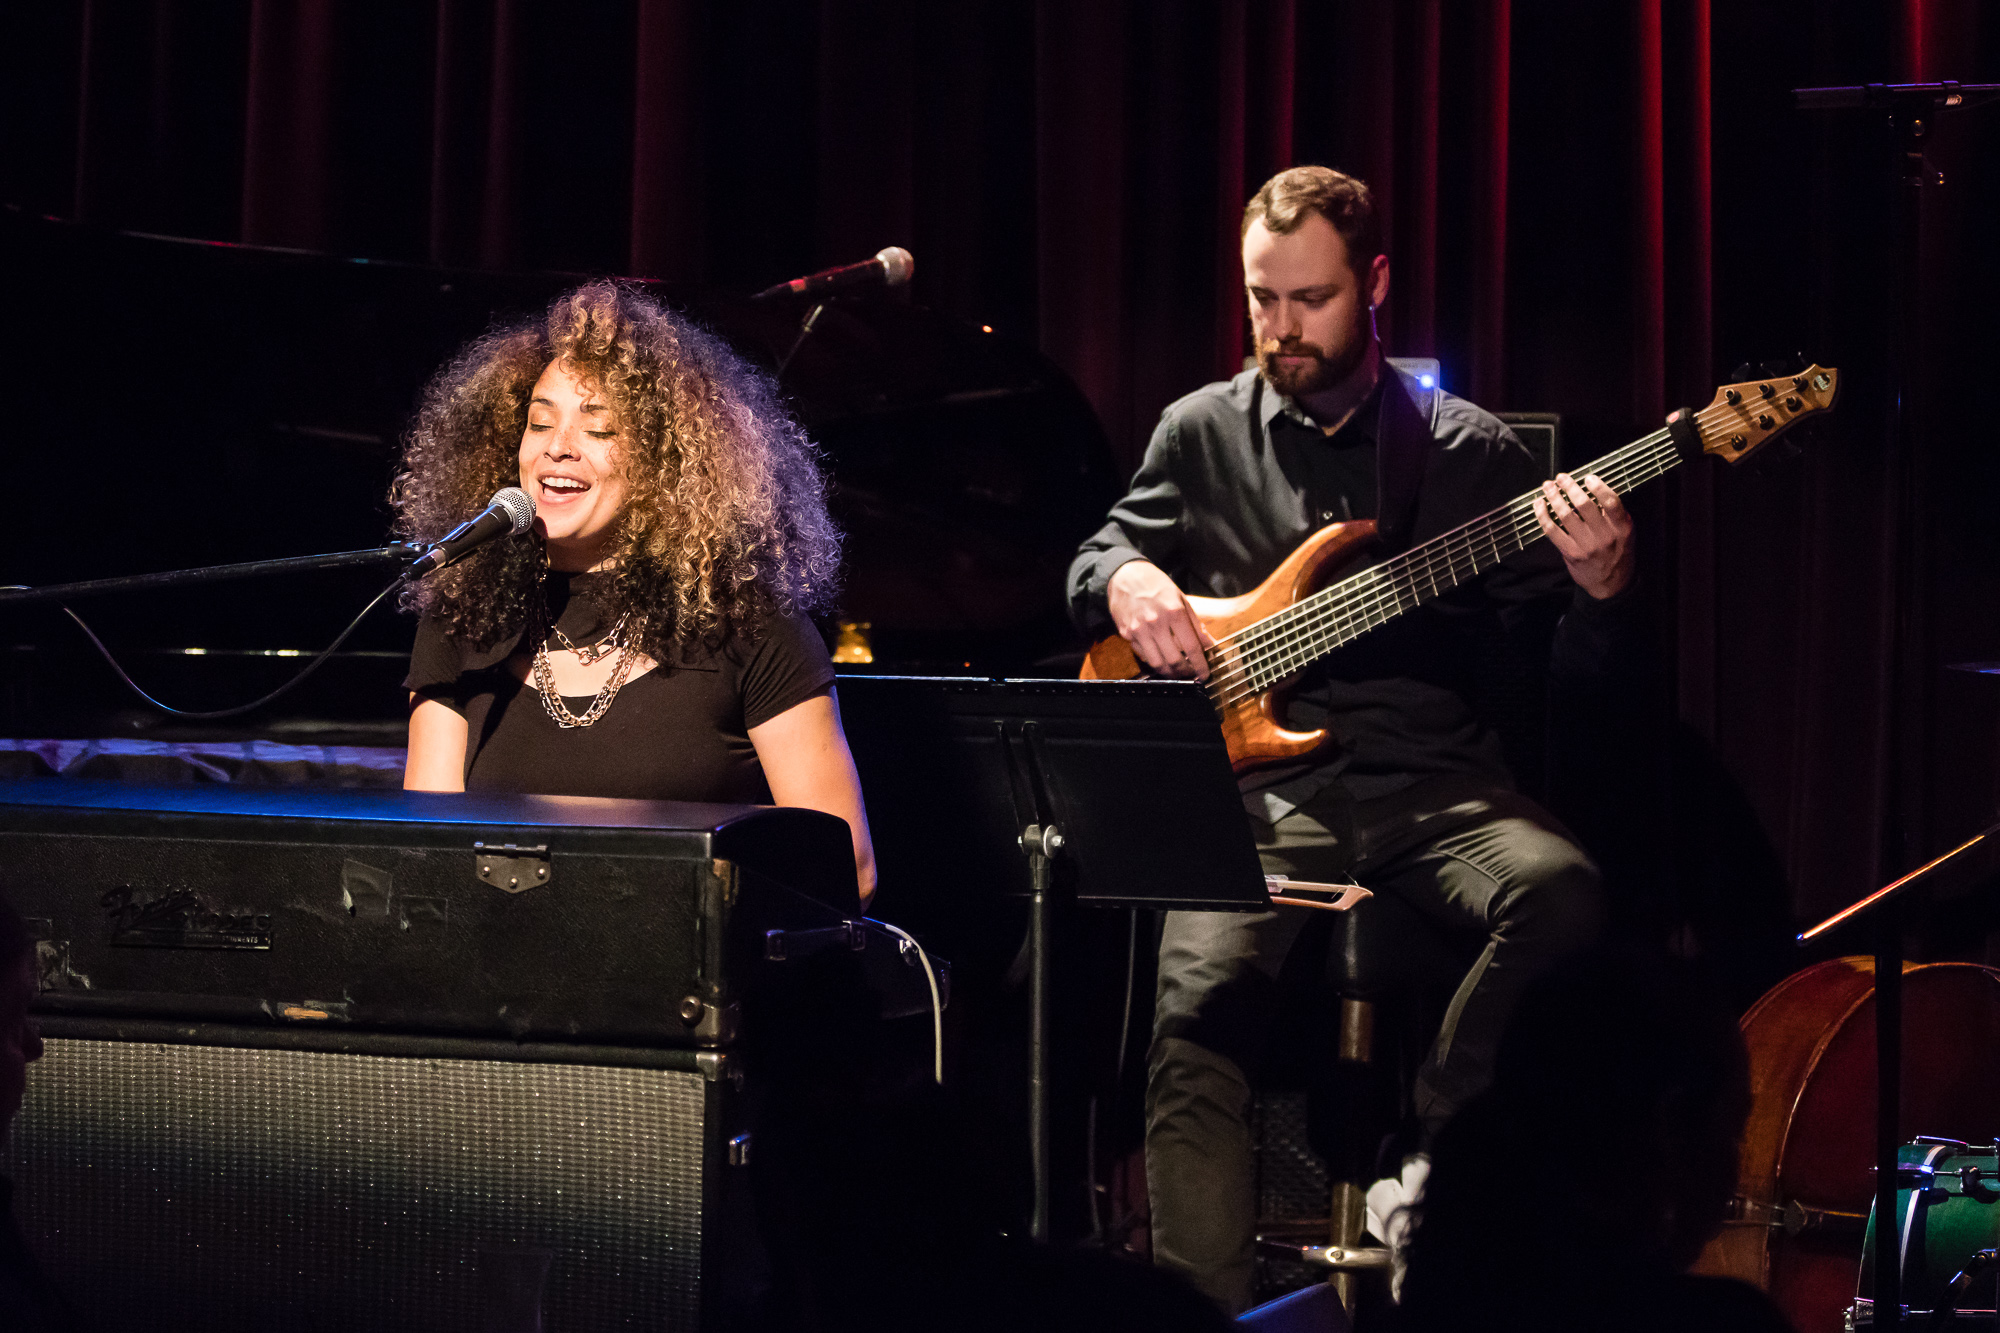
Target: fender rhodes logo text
pixel 181 919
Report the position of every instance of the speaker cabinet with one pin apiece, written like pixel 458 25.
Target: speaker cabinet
pixel 198 1177
pixel 1542 432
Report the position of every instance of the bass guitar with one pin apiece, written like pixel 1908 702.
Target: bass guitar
pixel 1265 638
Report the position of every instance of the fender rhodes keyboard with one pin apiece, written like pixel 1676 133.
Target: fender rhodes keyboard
pixel 572 919
pixel 361 1059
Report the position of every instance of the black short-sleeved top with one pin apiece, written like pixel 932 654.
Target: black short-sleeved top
pixel 680 732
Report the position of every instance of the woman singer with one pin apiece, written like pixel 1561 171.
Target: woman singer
pixel 651 640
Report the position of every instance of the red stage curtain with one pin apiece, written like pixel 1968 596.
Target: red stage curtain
pixel 1591 208
pixel 1072 172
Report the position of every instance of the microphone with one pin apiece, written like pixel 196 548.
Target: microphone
pixel 891 267
pixel 507 514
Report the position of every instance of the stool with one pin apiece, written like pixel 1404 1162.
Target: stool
pixel 1380 950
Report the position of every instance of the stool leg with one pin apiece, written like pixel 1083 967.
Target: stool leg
pixel 1357 1030
pixel 1357 1045
pixel 1349 1212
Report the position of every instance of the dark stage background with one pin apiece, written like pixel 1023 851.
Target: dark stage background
pixel 1594 209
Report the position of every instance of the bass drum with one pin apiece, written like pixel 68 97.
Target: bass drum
pixel 1948 1196
pixel 1804 1183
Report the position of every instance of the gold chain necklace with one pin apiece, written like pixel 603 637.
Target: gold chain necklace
pixel 545 676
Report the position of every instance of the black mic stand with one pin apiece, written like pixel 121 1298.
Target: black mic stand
pixel 1911 108
pixel 394 554
pixel 806 327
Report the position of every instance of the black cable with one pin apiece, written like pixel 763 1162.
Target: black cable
pixel 219 713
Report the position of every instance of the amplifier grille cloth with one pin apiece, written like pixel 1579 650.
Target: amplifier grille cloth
pixel 287 1188
pixel 1292 1183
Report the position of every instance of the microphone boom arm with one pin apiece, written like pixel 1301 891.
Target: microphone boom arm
pixel 396 553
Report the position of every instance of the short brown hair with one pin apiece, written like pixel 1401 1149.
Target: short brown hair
pixel 1289 197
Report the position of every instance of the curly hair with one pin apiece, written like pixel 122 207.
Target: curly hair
pixel 725 520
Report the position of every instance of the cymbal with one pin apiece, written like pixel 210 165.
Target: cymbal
pixel 1983 668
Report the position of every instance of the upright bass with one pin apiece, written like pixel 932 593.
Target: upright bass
pixel 1806 1174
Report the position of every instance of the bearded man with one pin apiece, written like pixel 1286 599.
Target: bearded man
pixel 1415 800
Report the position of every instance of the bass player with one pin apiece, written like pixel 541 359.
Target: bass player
pixel 1415 799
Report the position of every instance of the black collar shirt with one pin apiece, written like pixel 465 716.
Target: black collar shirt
pixel 1237 476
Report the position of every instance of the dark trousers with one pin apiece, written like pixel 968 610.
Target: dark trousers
pixel 1473 858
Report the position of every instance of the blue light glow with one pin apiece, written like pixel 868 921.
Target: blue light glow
pixel 1427 381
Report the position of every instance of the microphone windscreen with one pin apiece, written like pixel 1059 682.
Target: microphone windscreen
pixel 518 505
pixel 897 265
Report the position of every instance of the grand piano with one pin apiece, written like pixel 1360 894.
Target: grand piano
pixel 190 403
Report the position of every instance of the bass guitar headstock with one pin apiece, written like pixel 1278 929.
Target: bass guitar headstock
pixel 1745 416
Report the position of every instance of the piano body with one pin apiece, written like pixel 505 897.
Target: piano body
pixel 347 1059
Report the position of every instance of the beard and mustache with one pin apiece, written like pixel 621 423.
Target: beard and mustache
pixel 1320 372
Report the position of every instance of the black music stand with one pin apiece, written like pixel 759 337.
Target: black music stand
pixel 1128 782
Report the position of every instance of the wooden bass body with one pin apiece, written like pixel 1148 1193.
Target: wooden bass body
pixel 1250 722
